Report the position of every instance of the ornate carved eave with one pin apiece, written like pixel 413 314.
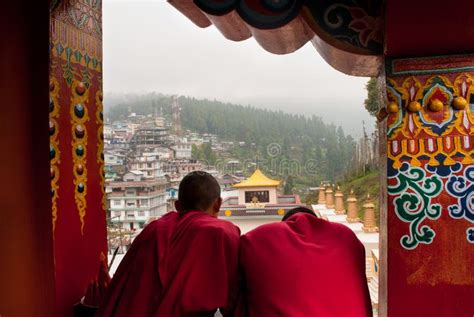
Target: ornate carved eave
pixel 347 34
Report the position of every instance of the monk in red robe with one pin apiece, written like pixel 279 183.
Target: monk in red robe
pixel 303 266
pixel 183 264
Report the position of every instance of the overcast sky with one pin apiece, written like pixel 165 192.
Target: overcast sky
pixel 150 46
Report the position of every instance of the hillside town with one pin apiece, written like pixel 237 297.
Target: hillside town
pixel 147 156
pixel 145 159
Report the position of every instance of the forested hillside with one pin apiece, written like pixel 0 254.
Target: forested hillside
pixel 280 140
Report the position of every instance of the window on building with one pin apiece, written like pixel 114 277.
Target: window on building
pixel 141 214
pixel 257 196
pixel 116 202
pixel 130 192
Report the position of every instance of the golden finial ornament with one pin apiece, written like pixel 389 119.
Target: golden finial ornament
pixel 329 197
pixel 339 202
pixel 436 105
pixel 392 107
pixel 352 213
pixel 322 194
pixel 414 106
pixel 459 103
pixel 370 224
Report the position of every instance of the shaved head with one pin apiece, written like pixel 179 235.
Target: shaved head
pixel 198 191
pixel 296 210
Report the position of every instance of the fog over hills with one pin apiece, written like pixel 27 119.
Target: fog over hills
pixel 149 46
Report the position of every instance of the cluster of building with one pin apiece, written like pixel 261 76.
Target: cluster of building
pixel 145 159
pixel 147 156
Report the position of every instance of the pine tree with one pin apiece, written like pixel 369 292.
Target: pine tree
pixel 371 103
pixel 288 188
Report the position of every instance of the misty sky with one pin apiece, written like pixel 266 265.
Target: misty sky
pixel 150 46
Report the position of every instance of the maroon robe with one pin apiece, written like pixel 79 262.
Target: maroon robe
pixel 180 265
pixel 304 267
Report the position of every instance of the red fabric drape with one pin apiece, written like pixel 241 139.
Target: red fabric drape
pixel 304 267
pixel 180 265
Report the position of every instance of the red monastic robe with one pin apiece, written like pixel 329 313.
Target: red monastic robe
pixel 304 267
pixel 180 265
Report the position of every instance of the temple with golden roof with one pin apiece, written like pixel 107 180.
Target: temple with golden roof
pixel 255 201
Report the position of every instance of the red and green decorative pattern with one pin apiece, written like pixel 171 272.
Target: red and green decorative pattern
pixel 413 192
pixel 430 203
pixel 461 186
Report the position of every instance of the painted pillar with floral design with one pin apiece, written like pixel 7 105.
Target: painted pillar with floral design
pixel 76 148
pixel 430 186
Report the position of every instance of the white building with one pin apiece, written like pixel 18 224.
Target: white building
pixel 121 135
pixel 135 200
pixel 148 164
pixel 207 137
pixel 160 122
pixel 113 159
pixel 108 132
pixel 182 150
pixel 163 153
pixel 181 167
pixel 195 138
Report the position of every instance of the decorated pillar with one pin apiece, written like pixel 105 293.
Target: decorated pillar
pixel 339 202
pixel 76 147
pixel 322 195
pixel 430 183
pixel 352 212
pixel 329 197
pixel 370 224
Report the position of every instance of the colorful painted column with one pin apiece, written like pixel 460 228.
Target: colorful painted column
pixel 76 147
pixel 429 226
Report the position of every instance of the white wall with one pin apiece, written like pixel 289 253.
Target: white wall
pixel 246 224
